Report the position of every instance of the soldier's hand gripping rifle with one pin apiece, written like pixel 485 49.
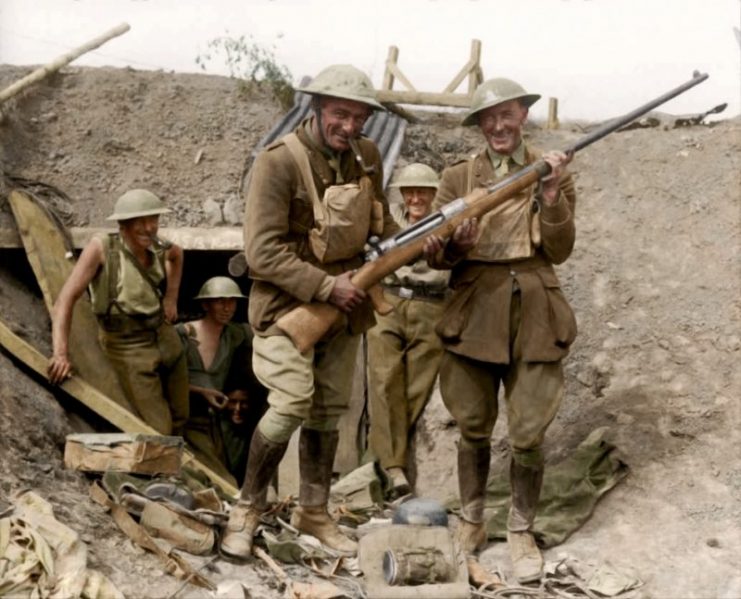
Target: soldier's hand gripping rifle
pixel 308 323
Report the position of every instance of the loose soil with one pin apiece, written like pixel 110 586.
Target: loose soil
pixel 654 280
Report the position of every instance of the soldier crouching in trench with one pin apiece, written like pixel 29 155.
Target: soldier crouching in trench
pixel 294 259
pixel 134 283
pixel 507 322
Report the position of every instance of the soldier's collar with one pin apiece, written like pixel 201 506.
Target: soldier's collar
pixel 518 156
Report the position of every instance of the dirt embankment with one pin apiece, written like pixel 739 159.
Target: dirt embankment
pixel 654 280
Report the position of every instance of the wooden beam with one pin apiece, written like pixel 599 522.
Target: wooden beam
pixel 189 238
pixel 424 98
pixel 552 114
pixel 458 79
pixel 401 77
pixel 58 63
pixel 477 75
pixel 388 75
pixel 101 404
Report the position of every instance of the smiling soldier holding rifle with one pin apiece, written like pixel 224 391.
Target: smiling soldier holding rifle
pixel 314 198
pixel 504 218
pixel 508 321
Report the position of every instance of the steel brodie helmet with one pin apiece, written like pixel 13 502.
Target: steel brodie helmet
pixel 493 92
pixel 137 202
pixel 346 82
pixel 219 287
pixel 417 175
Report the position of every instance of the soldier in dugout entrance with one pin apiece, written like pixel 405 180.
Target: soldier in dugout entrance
pixel 225 397
pixel 133 279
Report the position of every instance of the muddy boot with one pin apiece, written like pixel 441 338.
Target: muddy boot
pixel 316 457
pixel 244 518
pixel 473 470
pixel 527 562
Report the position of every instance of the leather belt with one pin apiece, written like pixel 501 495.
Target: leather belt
pixel 405 292
pixel 124 323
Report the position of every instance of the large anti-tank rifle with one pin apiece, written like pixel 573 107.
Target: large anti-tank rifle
pixel 308 323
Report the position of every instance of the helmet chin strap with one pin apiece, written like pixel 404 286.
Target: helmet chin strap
pixel 316 105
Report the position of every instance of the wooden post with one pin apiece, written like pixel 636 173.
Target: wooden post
pixel 63 60
pixel 475 76
pixel 552 114
pixel 388 76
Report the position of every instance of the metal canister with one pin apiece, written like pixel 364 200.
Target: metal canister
pixel 409 567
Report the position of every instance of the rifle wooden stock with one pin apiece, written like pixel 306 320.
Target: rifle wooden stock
pixel 308 323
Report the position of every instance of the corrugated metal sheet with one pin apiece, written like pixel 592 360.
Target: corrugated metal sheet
pixel 385 128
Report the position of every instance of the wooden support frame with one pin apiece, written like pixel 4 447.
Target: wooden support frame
pixel 410 95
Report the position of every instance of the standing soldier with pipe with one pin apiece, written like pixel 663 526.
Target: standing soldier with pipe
pixel 314 198
pixel 507 321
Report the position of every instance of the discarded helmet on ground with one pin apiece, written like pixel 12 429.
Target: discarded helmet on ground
pixel 219 287
pixel 495 91
pixel 137 202
pixel 346 82
pixel 422 512
pixel 417 175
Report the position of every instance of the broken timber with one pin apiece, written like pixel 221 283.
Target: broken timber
pixel 471 70
pixel 102 405
pixel 58 63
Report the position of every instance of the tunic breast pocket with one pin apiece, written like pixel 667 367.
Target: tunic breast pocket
pixel 300 213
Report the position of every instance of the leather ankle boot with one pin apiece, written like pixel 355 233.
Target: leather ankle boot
pixel 526 482
pixel 473 471
pixel 244 518
pixel 316 458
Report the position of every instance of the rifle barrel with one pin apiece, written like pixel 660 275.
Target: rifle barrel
pixel 621 121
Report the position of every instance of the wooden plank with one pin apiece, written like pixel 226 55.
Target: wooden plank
pixel 552 114
pixel 401 77
pixel 388 75
pixel 47 253
pixel 102 405
pixel 424 98
pixel 477 75
pixel 189 238
pixel 458 79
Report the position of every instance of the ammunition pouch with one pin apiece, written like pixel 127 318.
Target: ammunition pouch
pixel 344 217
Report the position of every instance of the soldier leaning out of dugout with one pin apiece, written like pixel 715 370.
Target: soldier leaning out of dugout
pixel 134 279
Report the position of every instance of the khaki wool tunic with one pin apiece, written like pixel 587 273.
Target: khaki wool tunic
pixel 278 217
pixel 477 318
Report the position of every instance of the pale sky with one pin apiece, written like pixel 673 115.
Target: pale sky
pixel 600 58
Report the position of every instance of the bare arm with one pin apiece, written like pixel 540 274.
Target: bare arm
pixel 91 259
pixel 174 272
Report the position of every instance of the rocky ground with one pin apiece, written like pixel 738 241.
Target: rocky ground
pixel 654 281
